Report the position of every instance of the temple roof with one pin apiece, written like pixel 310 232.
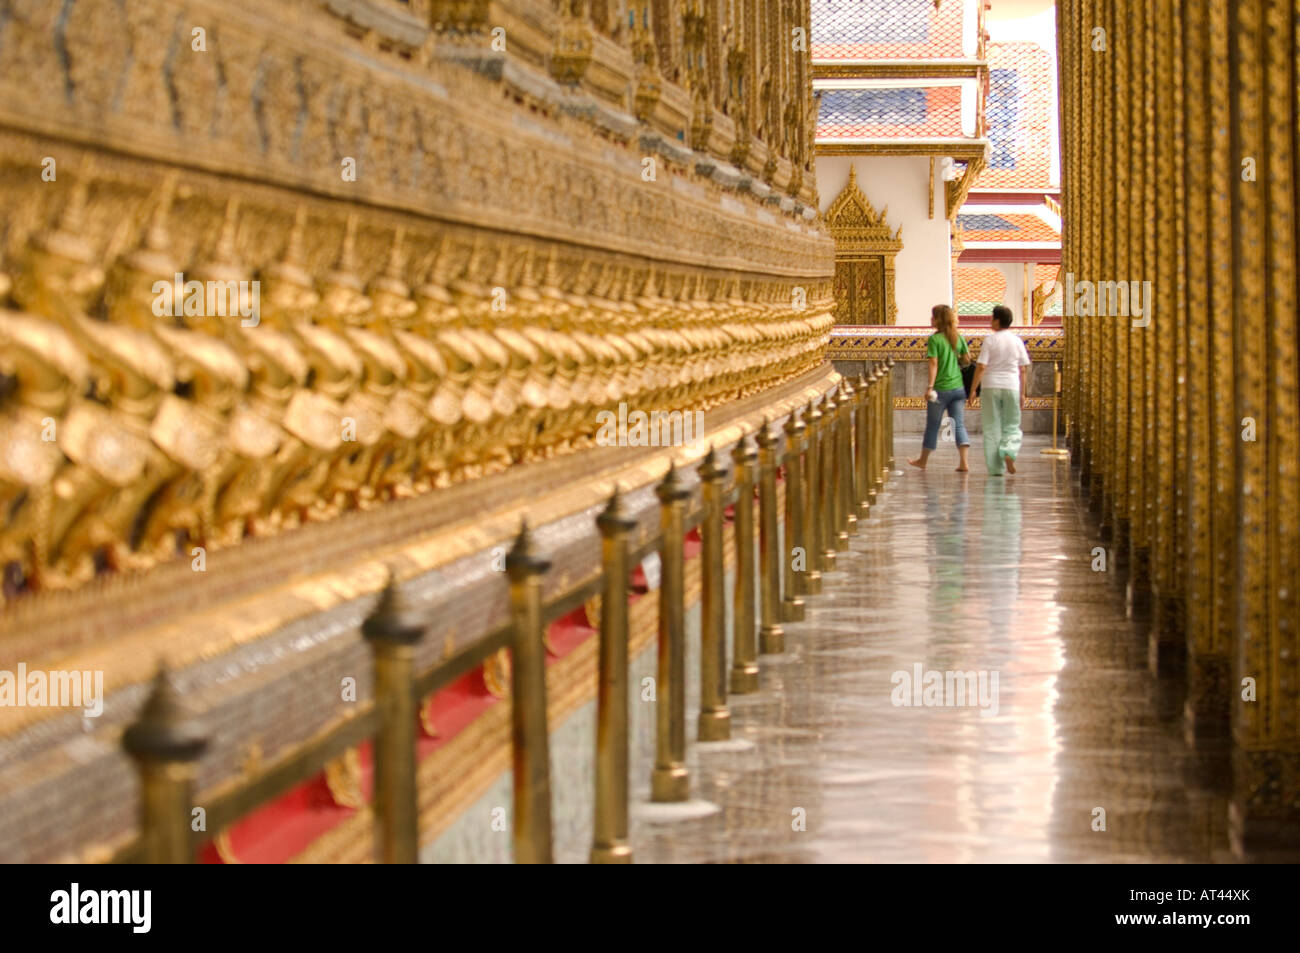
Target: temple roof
pixel 882 113
pixel 1018 113
pixel 977 288
pixel 886 29
pixel 1032 224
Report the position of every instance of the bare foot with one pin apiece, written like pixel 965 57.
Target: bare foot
pixel 1011 464
pixel 917 463
pixel 963 469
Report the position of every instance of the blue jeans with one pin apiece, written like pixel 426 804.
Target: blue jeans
pixel 953 401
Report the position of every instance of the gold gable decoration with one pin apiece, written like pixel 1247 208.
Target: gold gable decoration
pixel 865 247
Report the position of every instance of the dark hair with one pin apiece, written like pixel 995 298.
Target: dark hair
pixel 1002 315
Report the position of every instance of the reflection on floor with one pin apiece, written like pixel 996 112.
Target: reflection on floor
pixel 1062 734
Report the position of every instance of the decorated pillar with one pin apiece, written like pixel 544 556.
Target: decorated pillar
pixel 1265 807
pixel 1206 709
pixel 1121 136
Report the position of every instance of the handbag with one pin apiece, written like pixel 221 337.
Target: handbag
pixel 968 375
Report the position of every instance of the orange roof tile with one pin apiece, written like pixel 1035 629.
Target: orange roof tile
pixel 902 113
pixel 977 288
pixel 886 29
pixel 1005 227
pixel 1018 115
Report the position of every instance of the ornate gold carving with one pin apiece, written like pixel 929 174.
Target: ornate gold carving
pixel 343 776
pixel 496 673
pixel 201 431
pixel 225 849
pixel 426 718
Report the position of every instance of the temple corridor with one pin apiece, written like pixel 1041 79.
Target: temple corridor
pixel 959 572
pixel 956 572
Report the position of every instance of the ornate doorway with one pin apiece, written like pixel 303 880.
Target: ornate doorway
pixel 864 258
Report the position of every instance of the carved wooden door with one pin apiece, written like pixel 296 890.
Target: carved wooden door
pixel 860 291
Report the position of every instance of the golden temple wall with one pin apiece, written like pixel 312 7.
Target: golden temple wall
pixel 472 226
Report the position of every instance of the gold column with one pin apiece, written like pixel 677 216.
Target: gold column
pixel 1095 197
pixel 1250 720
pixel 1121 328
pixel 1225 426
pixel 1107 270
pixel 1079 189
pixel 1265 808
pixel 744 651
pixel 1083 188
pixel 166 742
pixel 1205 713
pixel 1088 247
pixel 1175 611
pixel 393 630
pixel 1067 47
pixel 1166 645
pixel 792 607
pixel 609 827
pixel 530 737
pixel 1142 341
pixel 1135 338
pixel 771 637
pixel 669 781
pixel 714 723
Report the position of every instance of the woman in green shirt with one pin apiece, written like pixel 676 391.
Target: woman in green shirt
pixel 947 353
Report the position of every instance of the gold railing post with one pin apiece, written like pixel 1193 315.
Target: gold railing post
pixel 714 723
pixel 873 434
pixel 882 432
pixel 812 522
pixel 826 483
pixel 669 780
pixel 609 841
pixel 744 651
pixel 863 456
pixel 795 589
pixel 393 630
pixel 1056 406
pixel 835 475
pixel 166 742
pixel 848 507
pixel 888 401
pixel 771 637
pixel 530 733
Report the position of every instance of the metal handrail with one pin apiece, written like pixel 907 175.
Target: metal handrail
pixel 836 458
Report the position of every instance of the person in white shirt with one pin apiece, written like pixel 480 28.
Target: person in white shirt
pixel 1002 368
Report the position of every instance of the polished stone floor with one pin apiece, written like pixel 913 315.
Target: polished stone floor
pixel 1074 754
pixel 958 572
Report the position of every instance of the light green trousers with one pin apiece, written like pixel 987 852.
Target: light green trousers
pixel 1000 414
